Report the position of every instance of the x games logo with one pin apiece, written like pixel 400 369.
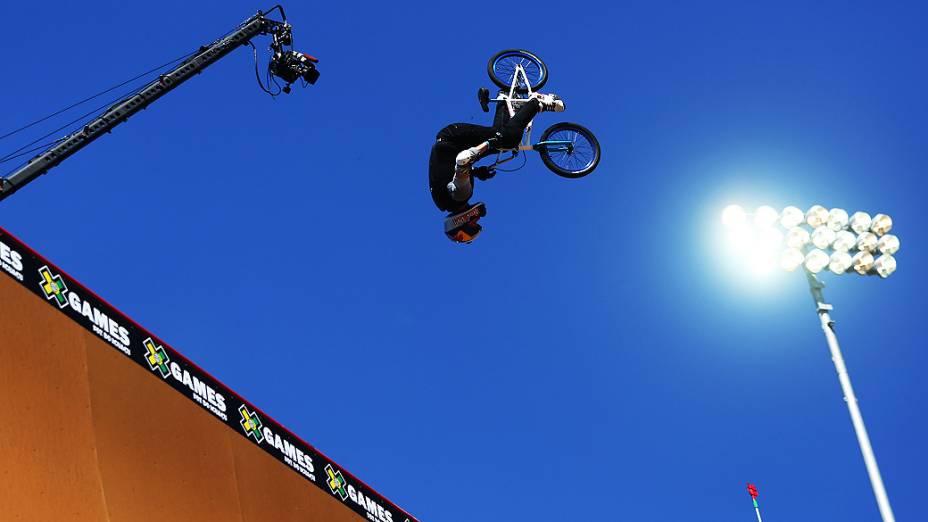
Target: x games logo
pixel 53 287
pixel 157 358
pixel 251 423
pixel 336 481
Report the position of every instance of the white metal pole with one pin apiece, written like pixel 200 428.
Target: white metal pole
pixel 757 510
pixel 857 419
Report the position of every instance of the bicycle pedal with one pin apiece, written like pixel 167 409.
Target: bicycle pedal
pixel 483 96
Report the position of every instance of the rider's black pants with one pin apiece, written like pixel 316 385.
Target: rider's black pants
pixel 458 137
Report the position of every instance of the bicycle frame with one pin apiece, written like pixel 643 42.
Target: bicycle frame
pixel 511 100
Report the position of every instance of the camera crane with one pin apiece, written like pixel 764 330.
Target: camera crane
pixel 286 64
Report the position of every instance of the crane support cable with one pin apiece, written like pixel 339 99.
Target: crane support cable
pixel 101 93
pixel 80 119
pixel 121 111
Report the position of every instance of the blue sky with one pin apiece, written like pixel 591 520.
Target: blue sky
pixel 609 364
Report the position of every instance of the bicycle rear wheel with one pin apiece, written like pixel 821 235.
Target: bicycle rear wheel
pixel 502 68
pixel 569 150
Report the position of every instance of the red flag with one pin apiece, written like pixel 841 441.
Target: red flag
pixel 752 489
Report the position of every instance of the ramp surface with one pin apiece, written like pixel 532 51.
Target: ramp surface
pixel 95 430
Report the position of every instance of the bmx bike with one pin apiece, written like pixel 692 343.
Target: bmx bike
pixel 570 150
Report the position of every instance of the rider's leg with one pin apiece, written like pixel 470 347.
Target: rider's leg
pixel 461 187
pixel 441 172
pixel 509 135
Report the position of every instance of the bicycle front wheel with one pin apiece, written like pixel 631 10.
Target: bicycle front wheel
pixel 502 69
pixel 569 150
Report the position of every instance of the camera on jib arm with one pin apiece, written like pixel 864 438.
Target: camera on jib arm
pixel 290 65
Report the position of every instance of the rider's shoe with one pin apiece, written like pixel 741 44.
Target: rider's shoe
pixel 467 156
pixel 550 102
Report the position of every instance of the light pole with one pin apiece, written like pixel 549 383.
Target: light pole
pixel 817 239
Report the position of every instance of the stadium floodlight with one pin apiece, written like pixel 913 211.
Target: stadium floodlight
pixel 885 265
pixel 734 215
pixel 816 216
pixel 823 237
pixel 791 259
pixel 840 262
pixel 881 224
pixel 844 241
pixel 815 240
pixel 797 237
pixel 792 217
pixel 816 260
pixel 888 244
pixel 766 216
pixel 860 222
pixel 837 219
pixel 862 262
pixel 867 242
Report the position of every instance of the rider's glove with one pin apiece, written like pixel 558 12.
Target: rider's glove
pixel 483 173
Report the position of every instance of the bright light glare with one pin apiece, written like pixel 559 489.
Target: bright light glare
pixel 755 243
pixel 765 216
pixel 881 224
pixel 837 219
pixel 840 262
pixel 791 217
pixel 816 216
pixel 733 216
pixel 823 237
pixel 816 261
pixel 860 222
pixel 888 244
pixel 761 263
pixel 862 262
pixel 797 237
pixel 885 265
pixel 844 241
pixel 867 242
pixel 791 259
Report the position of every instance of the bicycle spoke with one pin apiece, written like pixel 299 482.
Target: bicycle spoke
pixel 580 155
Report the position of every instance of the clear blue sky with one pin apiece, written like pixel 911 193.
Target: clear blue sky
pixel 608 367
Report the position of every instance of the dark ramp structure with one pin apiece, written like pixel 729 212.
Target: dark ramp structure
pixel 103 421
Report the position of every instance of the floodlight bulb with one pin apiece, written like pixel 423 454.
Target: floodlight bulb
pixel 888 244
pixel 791 259
pixel 733 216
pixel 885 265
pixel 867 242
pixel 797 237
pixel 844 241
pixel 765 216
pixel 817 216
pixel 840 262
pixel 791 217
pixel 881 224
pixel 860 222
pixel 837 219
pixel 862 262
pixel 816 261
pixel 823 237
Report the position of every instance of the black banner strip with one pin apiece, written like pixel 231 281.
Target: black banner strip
pixel 84 307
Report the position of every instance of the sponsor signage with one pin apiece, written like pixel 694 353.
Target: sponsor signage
pixel 166 364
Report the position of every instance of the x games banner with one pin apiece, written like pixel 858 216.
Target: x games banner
pixel 148 351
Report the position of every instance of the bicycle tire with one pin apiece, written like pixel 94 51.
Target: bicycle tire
pixel 583 156
pixel 500 68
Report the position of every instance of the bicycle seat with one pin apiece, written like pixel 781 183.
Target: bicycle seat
pixel 483 96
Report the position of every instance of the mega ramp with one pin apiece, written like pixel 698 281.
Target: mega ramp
pixel 104 421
